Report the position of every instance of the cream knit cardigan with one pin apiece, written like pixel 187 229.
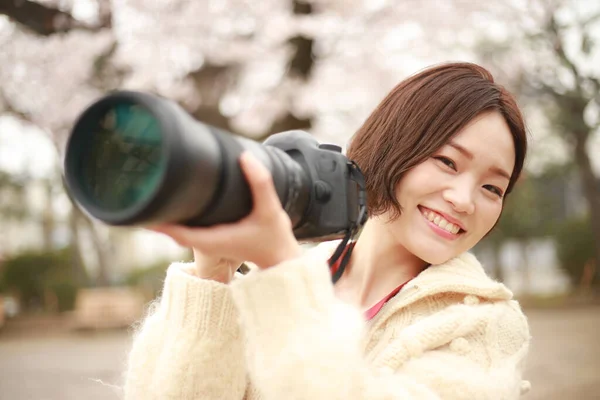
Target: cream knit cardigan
pixel 279 334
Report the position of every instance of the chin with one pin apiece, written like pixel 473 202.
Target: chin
pixel 435 257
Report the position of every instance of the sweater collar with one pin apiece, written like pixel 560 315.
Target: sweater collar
pixel 463 275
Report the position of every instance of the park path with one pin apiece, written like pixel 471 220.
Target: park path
pixel 564 361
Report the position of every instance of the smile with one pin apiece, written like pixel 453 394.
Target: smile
pixel 441 225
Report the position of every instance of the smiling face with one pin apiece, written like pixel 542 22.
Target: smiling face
pixel 453 199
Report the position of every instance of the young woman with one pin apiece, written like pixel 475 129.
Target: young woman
pixel 413 316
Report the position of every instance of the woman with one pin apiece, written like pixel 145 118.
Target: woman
pixel 413 316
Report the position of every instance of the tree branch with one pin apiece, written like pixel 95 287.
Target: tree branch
pixel 45 21
pixel 559 49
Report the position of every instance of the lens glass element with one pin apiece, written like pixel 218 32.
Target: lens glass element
pixel 123 162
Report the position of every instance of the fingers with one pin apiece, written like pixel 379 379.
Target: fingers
pixel 264 196
pixel 238 240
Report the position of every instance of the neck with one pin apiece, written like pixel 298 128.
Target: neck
pixel 378 265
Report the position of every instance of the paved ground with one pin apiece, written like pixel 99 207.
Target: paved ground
pixel 62 367
pixel 564 363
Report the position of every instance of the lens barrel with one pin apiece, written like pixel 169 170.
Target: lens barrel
pixel 137 159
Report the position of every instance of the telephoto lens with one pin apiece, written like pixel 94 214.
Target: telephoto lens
pixel 138 159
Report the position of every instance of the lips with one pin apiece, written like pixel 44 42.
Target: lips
pixel 447 220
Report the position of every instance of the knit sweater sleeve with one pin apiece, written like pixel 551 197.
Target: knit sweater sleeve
pixel 304 344
pixel 189 347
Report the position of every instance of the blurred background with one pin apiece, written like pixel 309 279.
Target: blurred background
pixel 70 288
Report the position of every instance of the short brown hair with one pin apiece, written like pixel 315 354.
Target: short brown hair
pixel 418 117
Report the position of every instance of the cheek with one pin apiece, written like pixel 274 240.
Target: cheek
pixel 417 181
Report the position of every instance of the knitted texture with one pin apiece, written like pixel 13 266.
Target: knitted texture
pixel 452 333
pixel 190 347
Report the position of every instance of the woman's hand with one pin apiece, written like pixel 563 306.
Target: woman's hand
pixel 264 237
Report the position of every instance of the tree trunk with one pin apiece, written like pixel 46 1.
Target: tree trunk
pixel 496 248
pixel 48 218
pixel 76 218
pixel 103 276
pixel 77 264
pixel 525 270
pixel 590 188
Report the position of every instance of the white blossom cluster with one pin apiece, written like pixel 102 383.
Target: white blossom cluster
pixel 362 48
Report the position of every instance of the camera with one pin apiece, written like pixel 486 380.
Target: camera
pixel 134 158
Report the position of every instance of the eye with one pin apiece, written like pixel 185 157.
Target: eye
pixel 494 189
pixel 447 162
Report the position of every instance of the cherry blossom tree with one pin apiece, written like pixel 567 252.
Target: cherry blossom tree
pixel 253 68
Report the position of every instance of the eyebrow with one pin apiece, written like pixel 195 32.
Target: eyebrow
pixel 469 155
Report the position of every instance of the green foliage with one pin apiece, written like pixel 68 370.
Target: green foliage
pixel 34 274
pixel 3 288
pixel 528 212
pixel 66 294
pixel 521 215
pixel 574 246
pixel 149 278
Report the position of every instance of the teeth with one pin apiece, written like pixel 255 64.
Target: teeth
pixel 441 222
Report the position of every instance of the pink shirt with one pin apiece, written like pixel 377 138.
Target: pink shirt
pixel 371 312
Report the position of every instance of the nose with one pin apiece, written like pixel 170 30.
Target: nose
pixel 461 196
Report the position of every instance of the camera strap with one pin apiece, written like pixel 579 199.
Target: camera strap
pixel 353 232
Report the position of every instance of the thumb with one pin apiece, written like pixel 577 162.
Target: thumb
pixel 264 196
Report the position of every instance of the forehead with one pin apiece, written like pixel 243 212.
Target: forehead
pixel 489 139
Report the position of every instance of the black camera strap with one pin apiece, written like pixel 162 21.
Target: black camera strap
pixel 353 232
